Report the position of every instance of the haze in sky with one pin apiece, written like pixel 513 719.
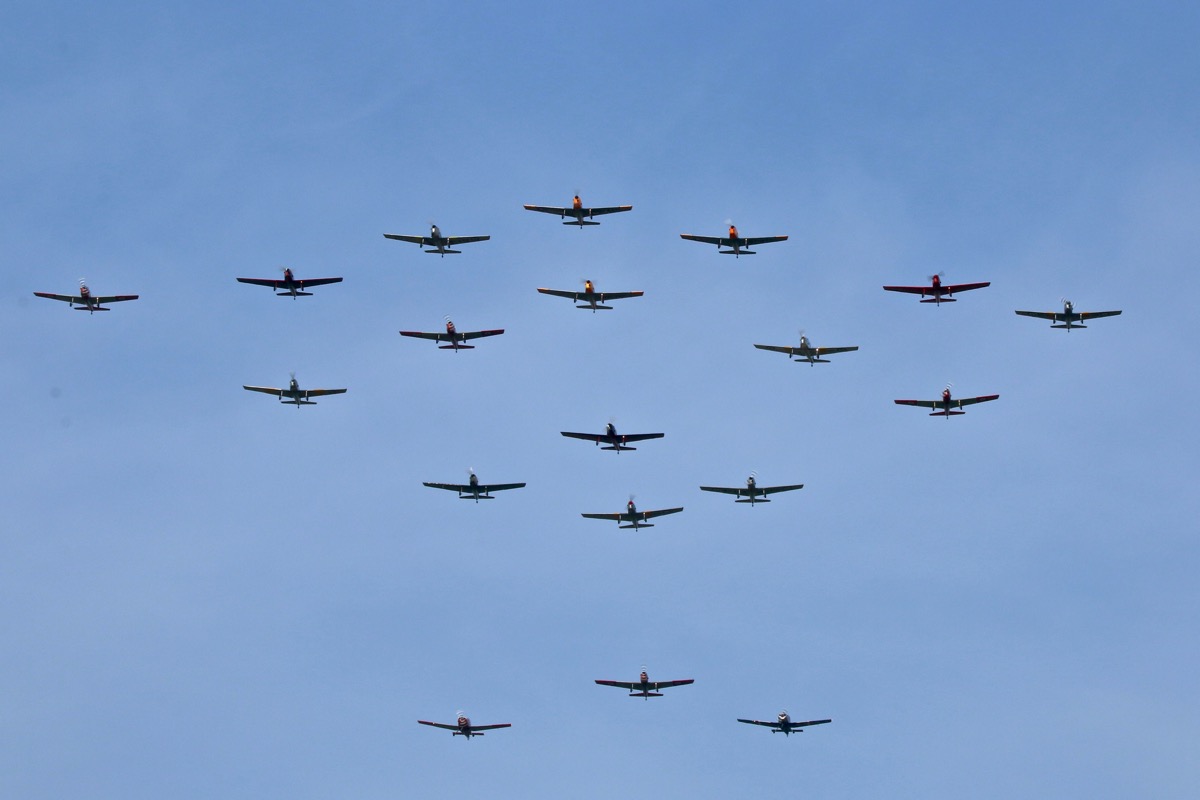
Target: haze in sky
pixel 204 593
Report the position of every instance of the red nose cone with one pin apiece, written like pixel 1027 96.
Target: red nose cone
pixel 463 721
pixel 733 232
pixel 645 677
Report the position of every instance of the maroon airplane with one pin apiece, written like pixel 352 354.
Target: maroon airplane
pixel 784 724
pixel 938 292
pixel 644 687
pixel 737 245
pixel 947 403
pixel 464 728
pixel 611 439
pixel 578 211
pixel 292 286
pixel 453 336
pixel 635 518
pixel 85 300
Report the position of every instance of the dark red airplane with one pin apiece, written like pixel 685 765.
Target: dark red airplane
pixel 453 336
pixel 85 300
pixel 464 728
pixel 947 403
pixel 938 292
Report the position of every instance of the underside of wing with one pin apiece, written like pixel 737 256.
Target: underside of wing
pixel 548 209
pixel 491 727
pixel 441 725
pixel 403 237
pixel 561 293
pixel 776 489
pixel 116 298
pixel 970 401
pixel 436 337
pixel 260 281
pixel 921 403
pixel 825 351
pixel 755 722
pixel 606 296
pixel 662 512
pixel 1051 315
pixel 706 239
pixel 453 240
pixel 1098 314
pixel 480 334
pixel 619 684
pixel 264 389
pixel 669 684
pixel 640 437
pixel 596 212
pixel 602 516
pixel 775 348
pixel 318 281
pixel 965 287
pixel 750 242
pixel 590 437
pixel 810 722
pixel 452 487
pixel 723 489
pixel 322 392
pixel 66 298
pixel 500 487
pixel 909 289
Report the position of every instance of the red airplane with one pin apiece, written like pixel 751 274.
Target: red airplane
pixel 464 728
pixel 644 687
pixel 947 403
pixel 85 300
pixel 291 286
pixel 733 241
pixel 784 724
pixel 578 212
pixel 634 517
pixel 453 336
pixel 938 292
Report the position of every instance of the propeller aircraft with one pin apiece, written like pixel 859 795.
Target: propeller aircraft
pixel 751 493
pixel 613 440
pixel 590 297
pixel 806 352
pixel 1069 317
pixel 937 292
pixel 442 245
pixel 293 393
pixel 737 244
pixel 947 403
pixel 85 300
pixel 644 687
pixel 784 724
pixel 635 518
pixel 292 286
pixel 463 727
pixel 453 336
pixel 580 214
pixel 473 489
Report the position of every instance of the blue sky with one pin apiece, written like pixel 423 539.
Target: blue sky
pixel 203 593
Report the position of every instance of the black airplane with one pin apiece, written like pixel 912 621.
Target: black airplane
pixel 1069 317
pixel 590 297
pixel 784 724
pixel 463 727
pixel 291 285
pixel 738 245
pixel 474 490
pixel 442 245
pixel 644 687
pixel 806 352
pixel 293 393
pixel 752 493
pixel 452 335
pixel 946 405
pixel 85 300
pixel 635 518
pixel 580 215
pixel 613 440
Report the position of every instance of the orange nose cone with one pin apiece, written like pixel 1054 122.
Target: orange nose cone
pixel 577 203
pixel 733 232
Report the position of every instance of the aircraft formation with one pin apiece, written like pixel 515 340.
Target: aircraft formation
pixel 631 517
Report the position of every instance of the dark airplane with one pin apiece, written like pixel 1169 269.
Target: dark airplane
pixel 590 297
pixel 644 687
pixel 752 493
pixel 1069 316
pixel 947 403
pixel 441 244
pixel 806 352
pixel 581 215
pixel 785 725
pixel 294 394
pixel 937 292
pixel 737 244
pixel 291 285
pixel 452 336
pixel 474 490
pixel 85 300
pixel 613 440
pixel 464 728
pixel 634 517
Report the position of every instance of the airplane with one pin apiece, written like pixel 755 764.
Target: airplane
pixel 752 493
pixel 294 394
pixel 633 516
pixel 644 687
pixel 733 241
pixel 85 300
pixel 578 211
pixel 785 725
pixel 937 292
pixel 589 295
pixel 453 337
pixel 474 489
pixel 440 244
pixel 806 352
pixel 464 728
pixel 947 403
pixel 613 440
pixel 1069 316
pixel 291 285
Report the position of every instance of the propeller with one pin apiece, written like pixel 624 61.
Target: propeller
pixel 937 275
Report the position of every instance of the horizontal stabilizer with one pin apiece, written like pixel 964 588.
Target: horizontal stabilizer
pixel 940 300
pixel 639 525
pixel 752 500
pixel 297 294
pixel 803 360
pixel 737 252
pixel 618 447
pixel 595 308
pixel 456 347
pixel 645 694
pixel 946 413
pixel 85 308
pixel 299 402
pixel 473 497
pixel 1072 325
pixel 581 222
pixel 443 252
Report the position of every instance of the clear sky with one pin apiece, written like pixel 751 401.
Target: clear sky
pixel 206 594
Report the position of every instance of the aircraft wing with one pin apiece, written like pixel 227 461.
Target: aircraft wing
pixel 1098 314
pixel 500 487
pixel 401 237
pixel 321 392
pixel 591 437
pixel 970 401
pixel 453 487
pixel 627 685
pixel 66 298
pixel 774 489
pixel 1054 316
pixel 272 282
pixel 317 281
pixel 747 721
pixel 115 298
pixel 606 296
pixel 453 240
pixel 491 727
pixel 479 334
pixel 660 513
pixel 442 725
pixel 825 351
pixel 264 390
pixel 964 287
pixel 668 684
pixel 717 240
pixel 724 489
pixel 604 516
pixel 810 722
pixel 596 212
pixel 549 209
pixel 560 292
pixel 775 348
pixel 909 289
pixel 921 403
pixel 750 242
pixel 639 437
pixel 437 337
